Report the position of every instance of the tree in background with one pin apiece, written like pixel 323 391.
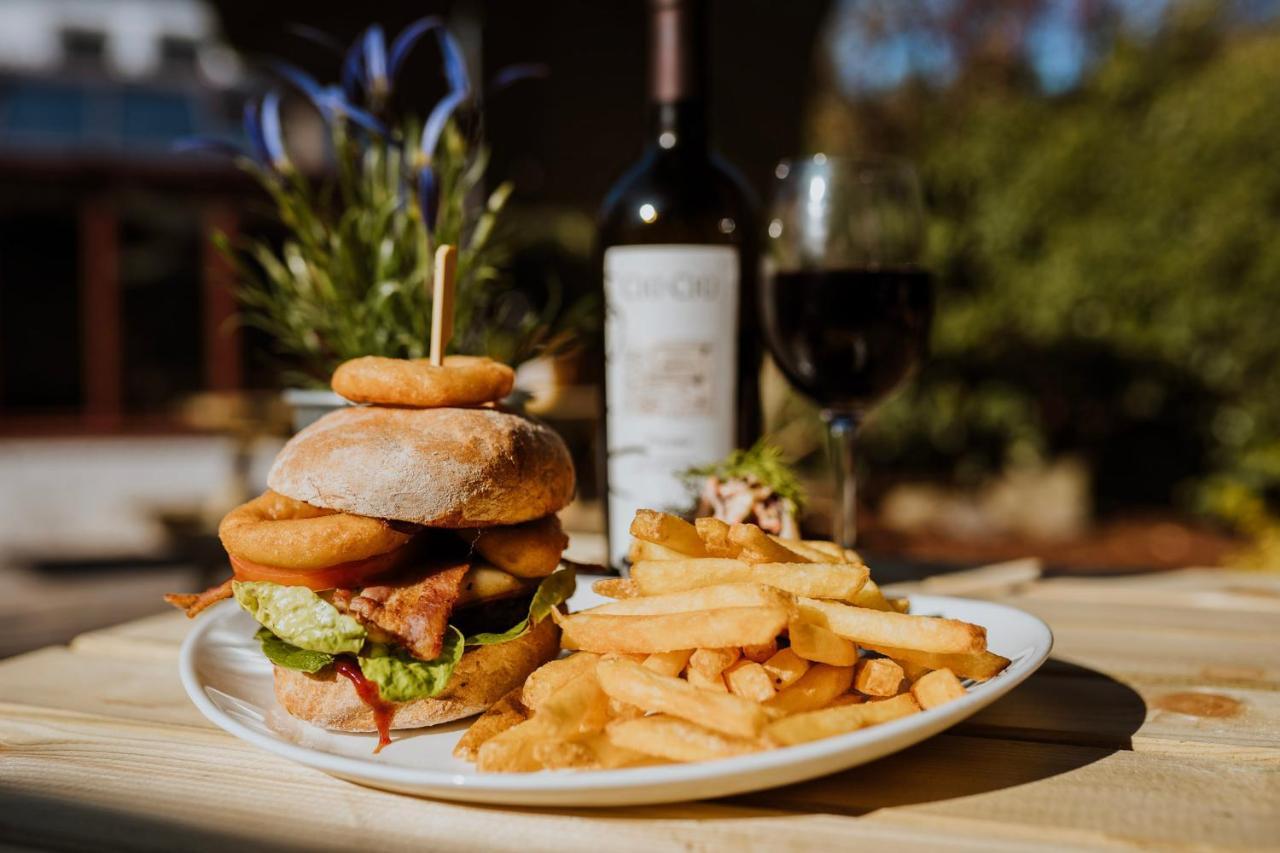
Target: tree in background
pixel 1103 189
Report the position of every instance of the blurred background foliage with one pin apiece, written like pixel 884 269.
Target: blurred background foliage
pixel 1103 200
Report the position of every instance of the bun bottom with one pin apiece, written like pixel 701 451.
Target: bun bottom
pixel 483 676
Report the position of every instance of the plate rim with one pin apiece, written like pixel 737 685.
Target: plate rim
pixel 572 781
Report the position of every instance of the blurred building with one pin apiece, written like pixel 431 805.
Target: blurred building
pixel 111 303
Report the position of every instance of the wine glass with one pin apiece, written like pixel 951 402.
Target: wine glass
pixel 845 305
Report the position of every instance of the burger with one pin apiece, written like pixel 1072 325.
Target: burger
pixel 403 564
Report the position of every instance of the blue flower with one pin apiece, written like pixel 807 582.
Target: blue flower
pixel 404 43
pixel 514 73
pixel 436 122
pixel 265 142
pixel 329 100
pixel 428 196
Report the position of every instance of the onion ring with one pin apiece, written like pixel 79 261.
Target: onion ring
pixel 463 380
pixel 275 530
pixel 529 550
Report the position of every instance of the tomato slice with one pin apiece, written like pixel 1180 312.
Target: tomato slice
pixel 342 575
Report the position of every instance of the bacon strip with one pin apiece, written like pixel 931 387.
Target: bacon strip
pixel 415 614
pixel 194 603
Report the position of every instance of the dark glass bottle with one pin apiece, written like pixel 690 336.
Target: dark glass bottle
pixel 678 250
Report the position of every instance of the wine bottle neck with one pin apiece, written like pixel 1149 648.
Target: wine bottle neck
pixel 678 76
pixel 680 125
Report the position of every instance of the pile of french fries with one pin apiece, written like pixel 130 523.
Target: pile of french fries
pixel 725 640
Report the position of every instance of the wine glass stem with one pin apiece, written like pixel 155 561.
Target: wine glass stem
pixel 841 428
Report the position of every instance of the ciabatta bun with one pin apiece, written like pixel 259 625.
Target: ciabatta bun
pixel 438 467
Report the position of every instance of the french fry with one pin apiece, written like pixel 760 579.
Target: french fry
pixel 552 675
pixel 937 688
pixel 675 739
pixel 642 550
pixel 715 537
pixel 644 688
pixel 684 663
pixel 815 689
pixel 979 666
pixel 814 725
pixel 756 546
pixel 507 712
pixel 664 529
pixel 712 662
pixel 833 551
pixel 875 628
pixel 589 752
pixel 749 680
pixel 878 677
pixel 579 707
pixel 729 626
pixel 707 681
pixel 816 580
pixel 511 751
pixel 913 671
pixel 785 668
pixel 616 588
pixel 870 596
pixel 668 663
pixel 623 711
pixel 815 643
pixel 706 598
pixel 812 555
pixel 760 652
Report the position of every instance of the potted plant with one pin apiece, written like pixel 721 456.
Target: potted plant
pixel 352 276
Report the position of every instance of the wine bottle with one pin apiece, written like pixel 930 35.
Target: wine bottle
pixel 678 251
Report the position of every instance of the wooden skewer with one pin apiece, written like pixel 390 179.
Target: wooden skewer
pixel 442 302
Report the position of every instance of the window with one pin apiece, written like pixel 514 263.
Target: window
pixel 84 49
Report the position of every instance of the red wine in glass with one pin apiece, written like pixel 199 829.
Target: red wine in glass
pixel 848 337
pixel 845 305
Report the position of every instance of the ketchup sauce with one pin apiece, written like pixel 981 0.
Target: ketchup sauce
pixel 368 693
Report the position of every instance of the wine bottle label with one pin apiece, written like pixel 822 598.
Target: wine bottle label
pixel 671 337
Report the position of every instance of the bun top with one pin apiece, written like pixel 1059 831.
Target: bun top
pixel 437 467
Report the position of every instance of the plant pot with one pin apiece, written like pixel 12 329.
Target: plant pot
pixel 308 405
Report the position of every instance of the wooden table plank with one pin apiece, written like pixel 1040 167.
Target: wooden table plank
pixel 1227 724
pixel 1224 724
pixel 157 637
pixel 1100 794
pixel 1201 622
pixel 993 789
pixel 1157 723
pixel 1212 589
pixel 97 776
pixel 143 690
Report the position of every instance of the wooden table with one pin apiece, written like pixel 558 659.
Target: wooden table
pixel 1155 724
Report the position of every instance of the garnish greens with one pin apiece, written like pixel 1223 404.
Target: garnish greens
pixel 763 462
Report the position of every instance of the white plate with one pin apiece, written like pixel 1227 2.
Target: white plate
pixel 229 680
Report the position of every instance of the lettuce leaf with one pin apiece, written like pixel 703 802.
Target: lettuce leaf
pixel 290 656
pixel 554 589
pixel 301 618
pixel 402 678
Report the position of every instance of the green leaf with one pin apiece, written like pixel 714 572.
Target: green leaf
pixel 764 463
pixel 554 589
pixel 290 656
pixel 301 618
pixel 403 678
